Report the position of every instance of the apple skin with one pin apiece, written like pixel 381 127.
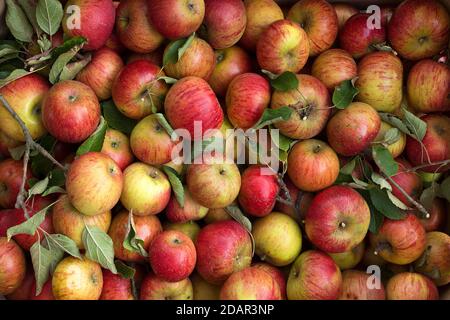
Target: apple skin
pixel 319 19
pixel 11 173
pixel 12 266
pixel 408 181
pixel 100 73
pixel 192 99
pixel 117 146
pixel 198 61
pixel 276 274
pixel 224 22
pixel 190 228
pixel 91 13
pixel 314 276
pixel 278 239
pixel 283 46
pixel 7 143
pixel 419 29
pixel 411 286
pixel 147 228
pixel 85 192
pixel 337 219
pixel 354 287
pixel 24 291
pixel 191 210
pixel 427 87
pixel 344 11
pixel 71 111
pixel 301 199
pixel 438 216
pixel 24 95
pixel 223 248
pixel 436 258
pixel 435 145
pixel 351 130
pixel 134 27
pixel 75 279
pixel 313 165
pixel 150 142
pixel 114 43
pixel 259 190
pixel 216 215
pixel 396 148
pixel 146 189
pixel 155 288
pixel 349 259
pixel 356 38
pixel 185 17
pixel 155 57
pixel 115 287
pixel 172 256
pixel 204 290
pixel 7 220
pixel 70 222
pixel 334 66
pixel 230 62
pixel 250 284
pixel 400 241
pixel 214 183
pixel 133 87
pixel 46 293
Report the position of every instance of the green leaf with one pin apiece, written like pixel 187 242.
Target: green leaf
pixel 284 143
pixel 380 200
pixel 417 126
pixel 16 74
pixel 71 69
pixel 164 123
pixel 60 63
pixel 116 119
pixel 382 182
pixel 99 247
pixel 68 45
pixel 41 165
pixel 64 243
pixel 344 94
pixel 176 49
pixel 124 270
pixel 391 136
pixel 57 178
pixel 271 116
pixel 348 168
pixel 131 242
pixel 238 216
pixel 269 74
pixel 17 22
pixel 95 142
pixel 444 190
pixel 42 259
pixel 396 201
pixel 29 8
pixel 7 50
pixel 175 182
pixel 49 14
pixel 167 80
pixel 285 82
pixel 376 218
pixel 17 152
pixel 38 188
pixel 53 190
pixel 384 160
pixel 45 44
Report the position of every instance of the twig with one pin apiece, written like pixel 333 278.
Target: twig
pixel 438 163
pixel 286 195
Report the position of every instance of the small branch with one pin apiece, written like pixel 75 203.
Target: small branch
pixel 285 195
pixel 438 163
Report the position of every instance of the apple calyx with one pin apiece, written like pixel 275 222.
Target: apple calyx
pixel 384 245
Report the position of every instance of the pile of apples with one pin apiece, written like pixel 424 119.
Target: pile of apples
pixel 128 222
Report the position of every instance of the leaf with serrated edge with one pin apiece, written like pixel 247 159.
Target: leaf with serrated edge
pixel 17 22
pixel 177 185
pixel 99 247
pixel 64 243
pixel 285 82
pixel 49 14
pixel 95 142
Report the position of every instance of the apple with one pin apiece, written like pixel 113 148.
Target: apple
pixel 46 293
pixel 117 146
pixel 380 81
pixel 24 95
pixel 70 222
pixel 353 129
pixel 77 279
pixel 214 183
pixel 146 189
pixel 176 19
pixel 334 66
pixel 355 287
pixel 114 43
pixel 400 241
pixel 410 182
pixel 396 148
pixel 435 261
pixel 216 215
pixel 437 218
pixel 100 73
pixel 357 38
pixel 314 276
pixel 411 286
pixel 155 288
pixel 134 27
pixel 155 57
pixel 344 11
pixel 370 258
pixel 90 13
pixel 71 111
pixel 11 174
pixel 172 256
pixel 198 60
pixel 12 266
pixel 248 95
pixel 278 239
pixel 276 274
pixel 7 143
pixel 427 86
pixel 24 291
pixel 283 46
pixel 190 228
pixel 83 186
pixel 204 290
pixel 301 201
pixel 319 19
pixel 191 210
pixel 435 146
pixel 419 29
pixel 311 104
pixel 150 142
pixel 250 284
pixel 313 165
pixel 351 258
pixel 137 92
pixel 223 248
pixel 147 228
pixel 115 287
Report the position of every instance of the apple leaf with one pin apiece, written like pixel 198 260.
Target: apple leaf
pixel 285 81
pixel 116 119
pixel 396 201
pixel 131 242
pixel 124 270
pixel 60 63
pixel 17 22
pixel 176 49
pixel 271 116
pixel 376 217
pixel 49 14
pixel 344 94
pixel 164 123
pixel 384 160
pixel 53 190
pixel 71 70
pixel 410 125
pixel 175 182
pixel 45 44
pixel 64 243
pixel 7 49
pixel 40 165
pixel 283 143
pixel 17 152
pixel 57 178
pixel 44 261
pixel 167 80
pixel 68 45
pixel 391 136
pixel 380 200
pixel 238 216
pixel 95 142
pixel 99 247
pixel 14 75
pixel 382 182
pixel 444 189
pixel 29 8
pixel 38 188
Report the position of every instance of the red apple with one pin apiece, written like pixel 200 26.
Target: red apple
pixel 12 266
pixel 355 286
pixel 93 20
pixel 437 218
pixel 411 286
pixel 117 146
pixel 115 287
pixel 155 57
pixel 276 274
pixel 313 165
pixel 114 43
pixel 349 259
pixel 222 248
pixel 216 215
pixel 46 293
pixel 155 288
pixel 7 220
pixel 7 143
pixel 419 29
pixel 410 182
pixel 344 11
pixel 191 210
pixel 11 174
pixel 24 291
pixel 301 201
